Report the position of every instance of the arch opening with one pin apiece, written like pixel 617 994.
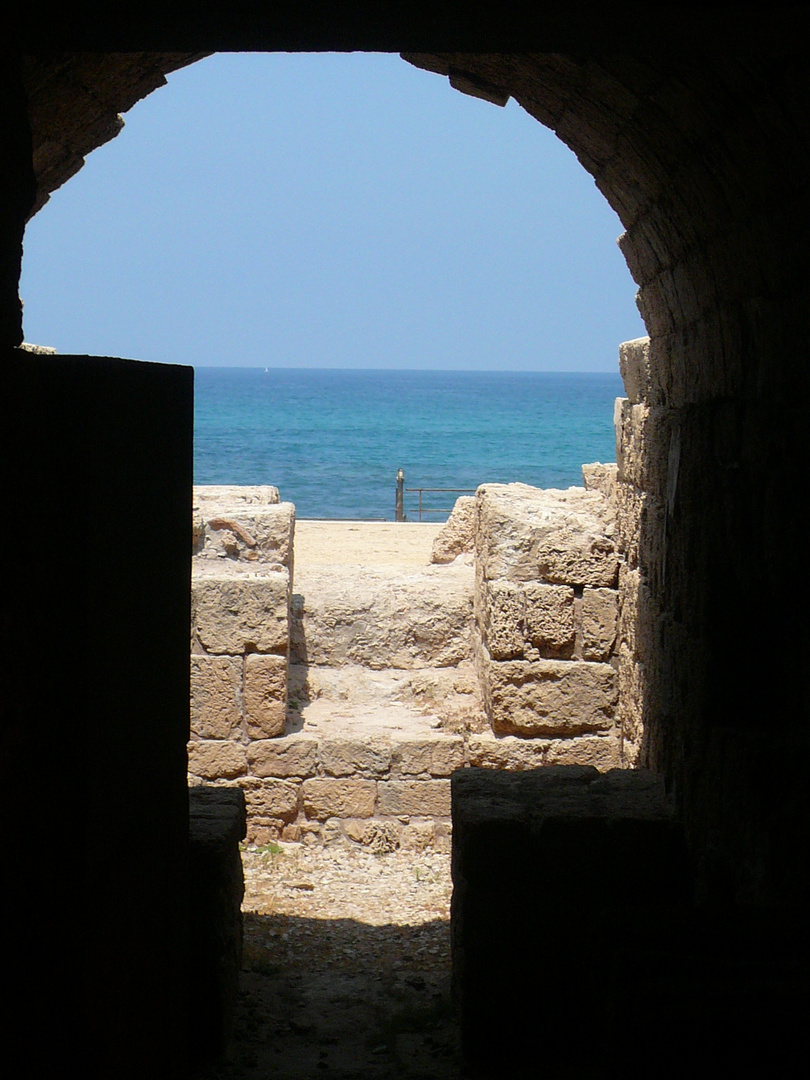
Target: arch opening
pixel 687 146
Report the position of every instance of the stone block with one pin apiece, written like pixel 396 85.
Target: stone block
pixel 457 535
pixel 250 533
pixel 602 752
pixel 629 584
pixel 505 609
pixel 465 679
pixel 630 512
pixel 599 623
pixel 631 678
pixel 355 757
pixel 636 627
pixel 561 537
pixel 631 442
pixel 216 691
pixel 214 759
pixel 634 368
pixel 325 797
pixel 651 536
pixel 599 477
pixel 380 837
pixel 237 613
pixel 267 833
pixel 420 836
pixel 265 695
pixel 489 751
pixel 290 755
pixel 208 496
pixel 420 798
pixel 549 697
pixel 382 618
pixel 270 799
pixel 549 617
pixel 436 755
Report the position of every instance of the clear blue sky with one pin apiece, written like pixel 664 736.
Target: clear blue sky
pixel 329 210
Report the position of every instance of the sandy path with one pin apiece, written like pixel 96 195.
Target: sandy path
pixel 363 543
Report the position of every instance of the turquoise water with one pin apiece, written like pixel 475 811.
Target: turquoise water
pixel 332 440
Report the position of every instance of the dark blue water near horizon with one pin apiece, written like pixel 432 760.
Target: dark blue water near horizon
pixel 332 440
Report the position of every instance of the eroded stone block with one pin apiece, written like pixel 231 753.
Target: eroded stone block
pixel 437 755
pixel 457 535
pixel 265 695
pixel 216 690
pixel 248 533
pixel 290 755
pixel 488 751
pixel 532 613
pixel 602 752
pixel 632 422
pixel 421 798
pixel 561 537
pixel 382 619
pixel 208 496
pixel 214 759
pixel 355 757
pixel 599 622
pixel 549 616
pixel 634 368
pixel 270 798
pixel 549 697
pixel 599 477
pixel 325 797
pixel 237 613
pixel 505 609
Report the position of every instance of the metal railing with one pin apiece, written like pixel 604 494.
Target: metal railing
pixel 422 509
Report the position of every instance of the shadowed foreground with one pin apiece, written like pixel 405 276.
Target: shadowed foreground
pixel 346 967
pixel 339 998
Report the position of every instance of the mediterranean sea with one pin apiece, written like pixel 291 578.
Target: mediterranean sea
pixel 333 440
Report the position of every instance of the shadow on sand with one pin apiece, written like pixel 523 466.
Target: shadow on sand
pixel 342 999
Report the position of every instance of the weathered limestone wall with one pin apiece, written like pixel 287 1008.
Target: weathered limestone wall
pixel 240 625
pixel 640 517
pixel 547 567
pixel 365 767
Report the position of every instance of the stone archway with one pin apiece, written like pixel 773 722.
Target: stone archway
pixel 684 150
pixel 691 129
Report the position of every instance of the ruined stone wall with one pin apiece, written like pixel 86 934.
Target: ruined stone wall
pixel 640 524
pixel 504 659
pixel 240 632
pixel 563 610
pixel 547 566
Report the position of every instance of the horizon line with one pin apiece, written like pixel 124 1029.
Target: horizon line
pixel 419 371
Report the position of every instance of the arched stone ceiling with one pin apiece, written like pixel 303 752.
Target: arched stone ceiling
pixel 75 101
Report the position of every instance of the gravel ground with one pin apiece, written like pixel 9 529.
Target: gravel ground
pixel 346 969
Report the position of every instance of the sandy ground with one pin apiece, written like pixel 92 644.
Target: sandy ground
pixel 363 543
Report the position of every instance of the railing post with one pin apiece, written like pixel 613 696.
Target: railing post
pixel 400 504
